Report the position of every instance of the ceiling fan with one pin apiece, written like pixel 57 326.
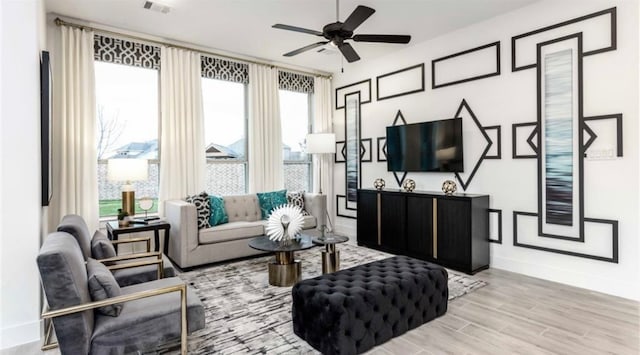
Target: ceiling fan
pixel 337 33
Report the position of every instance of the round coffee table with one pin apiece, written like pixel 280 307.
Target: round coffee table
pixel 330 256
pixel 285 270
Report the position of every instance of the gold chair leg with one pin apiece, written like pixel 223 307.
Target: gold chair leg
pixel 46 345
pixel 183 320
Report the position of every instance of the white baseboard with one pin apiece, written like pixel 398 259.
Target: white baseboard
pixel 20 334
pixel 609 286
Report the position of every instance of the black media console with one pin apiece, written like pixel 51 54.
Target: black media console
pixel 452 231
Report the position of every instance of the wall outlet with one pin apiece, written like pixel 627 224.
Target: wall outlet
pixel 601 154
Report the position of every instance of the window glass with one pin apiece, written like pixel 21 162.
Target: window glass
pixel 295 120
pixel 225 132
pixel 127 127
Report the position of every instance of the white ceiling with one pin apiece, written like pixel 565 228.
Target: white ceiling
pixel 244 26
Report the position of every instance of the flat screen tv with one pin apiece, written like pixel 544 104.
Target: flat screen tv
pixel 426 146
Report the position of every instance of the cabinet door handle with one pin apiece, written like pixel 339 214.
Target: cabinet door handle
pixel 379 220
pixel 435 228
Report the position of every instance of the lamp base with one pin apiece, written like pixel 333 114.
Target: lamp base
pixel 129 202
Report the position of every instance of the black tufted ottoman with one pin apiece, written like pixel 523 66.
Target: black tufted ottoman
pixel 351 311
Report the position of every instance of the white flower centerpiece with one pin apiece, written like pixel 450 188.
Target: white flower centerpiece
pixel 285 223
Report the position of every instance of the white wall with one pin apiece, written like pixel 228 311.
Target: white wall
pixel 610 86
pixel 22 38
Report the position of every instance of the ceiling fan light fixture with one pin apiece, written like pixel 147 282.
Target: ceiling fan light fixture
pixel 333 44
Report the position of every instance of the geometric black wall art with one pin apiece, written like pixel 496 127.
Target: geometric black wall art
pixel 398 121
pixel 495 135
pixel 364 87
pixel 593 121
pixel 524 140
pixel 472 64
pixel 382 148
pixel 559 139
pixel 342 210
pixel 498 224
pixel 592 27
pixel 481 141
pixel 400 82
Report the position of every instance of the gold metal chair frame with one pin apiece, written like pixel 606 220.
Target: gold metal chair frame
pixel 49 315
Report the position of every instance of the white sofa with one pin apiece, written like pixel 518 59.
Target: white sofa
pixel 190 247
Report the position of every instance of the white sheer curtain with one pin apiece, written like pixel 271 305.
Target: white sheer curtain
pixel 323 123
pixel 266 167
pixel 182 151
pixel 75 165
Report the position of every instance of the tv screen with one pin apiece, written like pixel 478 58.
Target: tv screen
pixel 426 146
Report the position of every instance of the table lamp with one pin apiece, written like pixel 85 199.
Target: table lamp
pixel 320 144
pixel 127 170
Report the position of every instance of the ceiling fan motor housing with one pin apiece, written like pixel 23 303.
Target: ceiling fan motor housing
pixel 335 33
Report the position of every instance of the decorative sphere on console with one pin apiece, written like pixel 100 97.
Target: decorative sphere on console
pixel 409 185
pixel 449 187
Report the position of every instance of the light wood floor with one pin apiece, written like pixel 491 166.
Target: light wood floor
pixel 515 314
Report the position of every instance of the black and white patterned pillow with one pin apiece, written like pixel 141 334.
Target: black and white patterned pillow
pixel 296 198
pixel 203 208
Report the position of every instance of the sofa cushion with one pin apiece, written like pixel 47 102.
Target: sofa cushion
pixel 231 231
pixel 296 198
pixel 141 274
pixel 203 208
pixel 242 208
pixel 218 213
pixel 270 200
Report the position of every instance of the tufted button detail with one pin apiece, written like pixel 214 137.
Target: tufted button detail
pixel 374 302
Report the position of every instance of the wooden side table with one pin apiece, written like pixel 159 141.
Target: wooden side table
pixel 114 230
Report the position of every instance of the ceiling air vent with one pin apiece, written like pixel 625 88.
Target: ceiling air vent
pixel 157 7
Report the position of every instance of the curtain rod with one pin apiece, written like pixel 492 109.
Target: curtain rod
pixel 59 22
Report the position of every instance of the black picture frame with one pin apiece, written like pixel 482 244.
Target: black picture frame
pixel 468 51
pixel 46 136
pixel 413 91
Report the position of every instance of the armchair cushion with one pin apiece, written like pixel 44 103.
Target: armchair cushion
pixel 103 285
pixel 203 208
pixel 101 247
pixel 147 321
pixel 270 200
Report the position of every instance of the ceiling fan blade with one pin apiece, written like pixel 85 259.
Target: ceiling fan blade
pixel 382 38
pixel 305 48
pixel 349 53
pixel 297 29
pixel 357 17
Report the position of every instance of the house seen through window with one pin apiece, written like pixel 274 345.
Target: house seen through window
pixel 296 124
pixel 127 127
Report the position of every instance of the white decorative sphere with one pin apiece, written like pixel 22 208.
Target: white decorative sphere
pixel 379 184
pixel 449 187
pixel 285 222
pixel 409 185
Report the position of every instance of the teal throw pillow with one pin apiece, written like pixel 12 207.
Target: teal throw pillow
pixel 218 213
pixel 270 200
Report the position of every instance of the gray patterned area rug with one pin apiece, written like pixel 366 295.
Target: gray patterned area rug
pixel 245 315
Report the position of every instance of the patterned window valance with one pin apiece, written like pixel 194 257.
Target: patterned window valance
pixel 221 69
pixel 120 51
pixel 295 82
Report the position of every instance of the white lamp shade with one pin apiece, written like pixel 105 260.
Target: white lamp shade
pixel 127 169
pixel 321 143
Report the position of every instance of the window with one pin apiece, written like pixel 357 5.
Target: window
pixel 296 124
pixel 225 132
pixel 127 127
